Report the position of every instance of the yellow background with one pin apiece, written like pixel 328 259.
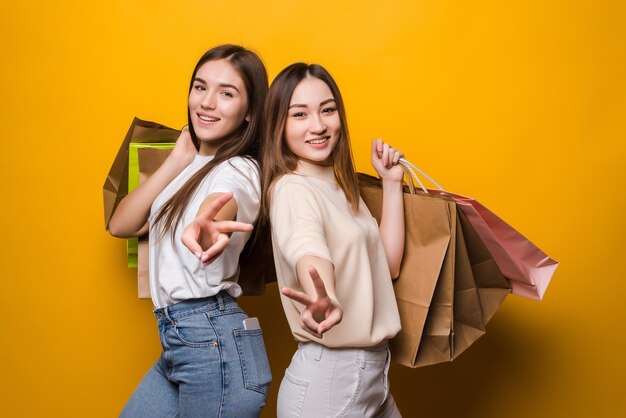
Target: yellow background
pixel 519 103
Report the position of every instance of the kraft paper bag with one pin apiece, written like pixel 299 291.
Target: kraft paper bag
pixel 427 239
pixel 527 268
pixel 449 288
pixel 479 287
pixel 256 262
pixel 116 184
pixel 436 340
pixel 469 291
pixel 144 160
pixel 153 155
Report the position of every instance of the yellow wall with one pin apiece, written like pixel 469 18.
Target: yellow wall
pixel 519 103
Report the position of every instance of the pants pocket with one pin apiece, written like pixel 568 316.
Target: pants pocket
pixel 254 364
pixel 346 387
pixel 291 396
pixel 195 331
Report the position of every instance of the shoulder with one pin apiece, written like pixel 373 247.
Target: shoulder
pixel 294 187
pixel 293 192
pixel 294 183
pixel 238 165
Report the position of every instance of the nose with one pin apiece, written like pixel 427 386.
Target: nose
pixel 317 125
pixel 209 100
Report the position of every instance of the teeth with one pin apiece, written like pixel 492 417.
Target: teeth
pixel 317 141
pixel 208 119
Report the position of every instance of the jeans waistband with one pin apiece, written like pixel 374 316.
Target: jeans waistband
pixel 378 352
pixel 189 307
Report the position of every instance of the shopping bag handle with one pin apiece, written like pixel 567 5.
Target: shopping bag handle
pixel 412 168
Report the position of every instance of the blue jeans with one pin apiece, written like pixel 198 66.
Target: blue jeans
pixel 210 366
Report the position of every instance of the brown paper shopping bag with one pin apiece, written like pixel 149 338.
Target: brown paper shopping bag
pixel 428 234
pixel 527 268
pixel 148 161
pixel 116 184
pixel 446 293
pixel 478 290
pixel 479 287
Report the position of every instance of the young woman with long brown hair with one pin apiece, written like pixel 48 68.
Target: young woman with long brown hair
pixel 211 365
pixel 334 265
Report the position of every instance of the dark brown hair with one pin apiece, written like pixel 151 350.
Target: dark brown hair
pixel 245 141
pixel 276 156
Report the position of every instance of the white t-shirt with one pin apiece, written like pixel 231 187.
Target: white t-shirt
pixel 175 273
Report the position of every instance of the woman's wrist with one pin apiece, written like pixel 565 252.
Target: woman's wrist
pixel 174 164
pixel 391 184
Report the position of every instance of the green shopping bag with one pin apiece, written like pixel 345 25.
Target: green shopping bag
pixel 134 175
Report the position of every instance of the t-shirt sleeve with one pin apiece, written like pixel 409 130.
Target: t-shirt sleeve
pixel 241 177
pixel 297 224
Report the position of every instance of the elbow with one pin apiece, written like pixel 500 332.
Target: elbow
pixel 117 230
pixel 394 271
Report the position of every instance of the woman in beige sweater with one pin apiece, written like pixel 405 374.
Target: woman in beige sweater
pixel 334 265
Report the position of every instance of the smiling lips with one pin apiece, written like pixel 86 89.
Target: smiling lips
pixel 208 119
pixel 318 141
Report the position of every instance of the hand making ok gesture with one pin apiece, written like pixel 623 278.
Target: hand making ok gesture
pixel 320 313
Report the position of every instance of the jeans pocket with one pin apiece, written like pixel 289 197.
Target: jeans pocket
pixel 254 364
pixel 291 396
pixel 195 331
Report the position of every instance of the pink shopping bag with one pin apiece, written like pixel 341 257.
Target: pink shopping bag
pixel 526 267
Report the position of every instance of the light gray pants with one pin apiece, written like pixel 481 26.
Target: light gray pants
pixel 324 382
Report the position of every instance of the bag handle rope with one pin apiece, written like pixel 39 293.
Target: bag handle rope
pixel 412 168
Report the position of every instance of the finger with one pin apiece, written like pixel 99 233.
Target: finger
pixel 216 248
pixel 313 333
pixel 385 156
pixel 375 155
pixel 217 205
pixel 318 283
pixel 209 261
pixel 190 240
pixel 379 148
pixel 333 319
pixel 309 323
pixel 392 153
pixel 396 157
pixel 232 226
pixel 300 297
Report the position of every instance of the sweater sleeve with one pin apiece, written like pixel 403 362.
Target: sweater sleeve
pixel 297 224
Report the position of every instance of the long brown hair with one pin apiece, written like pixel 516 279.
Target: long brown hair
pixel 245 141
pixel 276 156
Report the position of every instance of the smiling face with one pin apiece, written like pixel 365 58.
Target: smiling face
pixel 313 126
pixel 218 104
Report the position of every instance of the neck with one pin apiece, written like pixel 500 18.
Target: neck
pixel 326 172
pixel 207 148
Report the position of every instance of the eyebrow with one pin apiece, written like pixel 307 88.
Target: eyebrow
pixel 321 103
pixel 232 86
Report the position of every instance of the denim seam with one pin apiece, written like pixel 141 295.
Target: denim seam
pixel 179 316
pixel 219 350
